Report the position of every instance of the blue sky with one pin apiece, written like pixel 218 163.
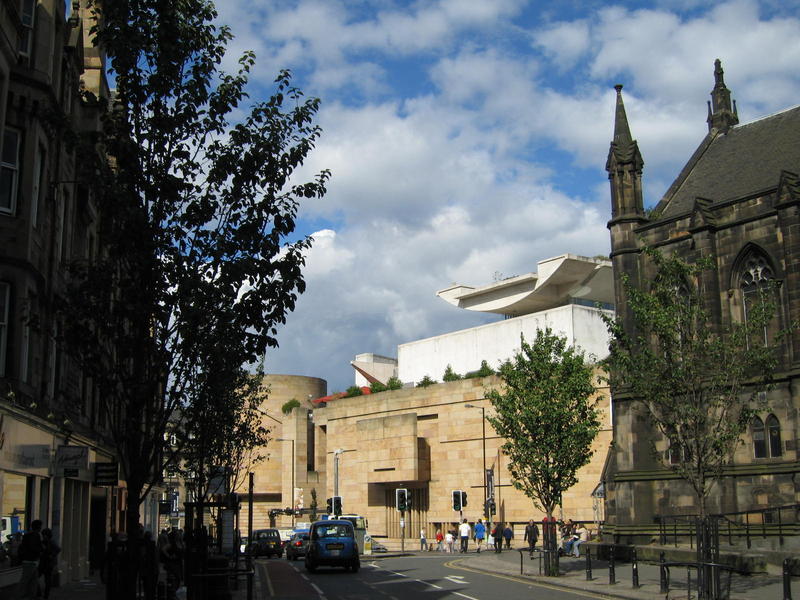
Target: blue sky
pixel 467 139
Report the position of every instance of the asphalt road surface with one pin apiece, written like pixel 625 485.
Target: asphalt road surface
pixel 431 577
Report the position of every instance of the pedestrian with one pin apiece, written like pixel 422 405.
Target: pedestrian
pixel 583 536
pixel 480 533
pixel 531 535
pixel 508 534
pixel 48 561
pixel 30 552
pixel 439 540
pixel 463 531
pixel 449 541
pixel 423 540
pixel 497 535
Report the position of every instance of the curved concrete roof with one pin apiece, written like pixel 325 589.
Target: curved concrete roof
pixel 558 281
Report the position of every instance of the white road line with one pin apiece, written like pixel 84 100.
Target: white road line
pixel 464 596
pixel 319 591
pixel 389 581
pixel 269 581
pixel 456 579
pixel 433 585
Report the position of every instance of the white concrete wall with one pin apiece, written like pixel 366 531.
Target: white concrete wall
pixel 464 350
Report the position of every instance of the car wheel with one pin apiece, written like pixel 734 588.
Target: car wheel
pixel 355 565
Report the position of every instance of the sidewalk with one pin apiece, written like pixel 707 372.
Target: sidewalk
pixel 573 576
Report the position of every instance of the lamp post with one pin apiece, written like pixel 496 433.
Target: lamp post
pixel 485 484
pixel 293 469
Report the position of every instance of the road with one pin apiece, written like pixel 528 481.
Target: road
pixel 437 577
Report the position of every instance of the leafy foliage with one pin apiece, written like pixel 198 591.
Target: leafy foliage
pixel 697 381
pixel 484 371
pixel 394 383
pixel 195 272
pixel 425 382
pixel 314 505
pixel 289 406
pixel 352 391
pixel 450 375
pixel 376 387
pixel 546 415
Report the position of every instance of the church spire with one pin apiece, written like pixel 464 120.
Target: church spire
pixel 624 166
pixel 722 114
pixel 622 132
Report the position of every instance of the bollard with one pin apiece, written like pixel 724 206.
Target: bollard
pixel 612 578
pixel 787 580
pixel 589 565
pixel 635 568
pixel 663 575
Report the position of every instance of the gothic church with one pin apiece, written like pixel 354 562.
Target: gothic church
pixel 736 200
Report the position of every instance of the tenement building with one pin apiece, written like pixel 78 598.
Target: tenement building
pixel 51 81
pixel 736 202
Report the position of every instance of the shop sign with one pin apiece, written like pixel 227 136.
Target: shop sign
pixel 106 473
pixel 72 457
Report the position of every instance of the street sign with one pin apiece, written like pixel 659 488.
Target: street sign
pixel 106 473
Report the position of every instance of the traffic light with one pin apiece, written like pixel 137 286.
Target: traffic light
pixel 401 499
pixel 457 500
pixel 463 499
pixel 337 505
pixel 491 507
pixel 330 506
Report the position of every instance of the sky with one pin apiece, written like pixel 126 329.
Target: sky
pixel 467 140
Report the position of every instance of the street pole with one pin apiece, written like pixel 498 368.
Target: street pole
pixel 336 454
pixel 486 513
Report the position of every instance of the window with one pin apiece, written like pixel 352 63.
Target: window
pixel 774 435
pixel 5 298
pixel 27 13
pixel 759 441
pixel 9 170
pixel 755 276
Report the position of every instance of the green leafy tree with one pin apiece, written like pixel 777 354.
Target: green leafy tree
pixel 196 268
pixel 425 382
pixel 376 387
pixel 353 391
pixel 484 371
pixel 289 406
pixel 394 383
pixel 698 382
pixel 450 375
pixel 547 416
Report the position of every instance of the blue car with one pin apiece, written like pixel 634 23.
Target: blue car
pixel 332 544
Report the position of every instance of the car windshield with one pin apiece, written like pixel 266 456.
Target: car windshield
pixel 342 531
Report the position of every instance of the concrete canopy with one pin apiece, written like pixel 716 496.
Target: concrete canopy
pixel 559 281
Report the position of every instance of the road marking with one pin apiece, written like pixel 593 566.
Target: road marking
pixel 433 585
pixel 390 581
pixel 318 590
pixel 532 582
pixel 456 579
pixel 464 596
pixel 269 581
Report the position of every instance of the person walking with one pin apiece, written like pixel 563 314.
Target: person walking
pixel 423 540
pixel 480 533
pixel 449 541
pixel 497 536
pixel 508 534
pixel 531 535
pixel 463 531
pixel 439 540
pixel 30 552
pixel 48 560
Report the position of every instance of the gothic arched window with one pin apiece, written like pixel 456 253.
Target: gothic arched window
pixel 759 438
pixel 755 276
pixel 774 435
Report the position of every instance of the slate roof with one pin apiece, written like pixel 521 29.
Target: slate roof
pixel 748 159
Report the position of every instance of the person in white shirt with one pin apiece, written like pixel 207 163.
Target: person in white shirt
pixel 464 531
pixel 448 539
